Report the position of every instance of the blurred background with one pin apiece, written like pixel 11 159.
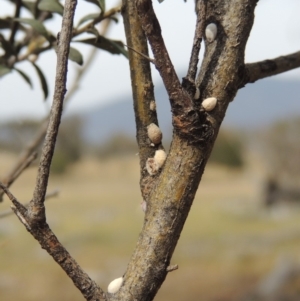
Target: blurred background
pixel 241 241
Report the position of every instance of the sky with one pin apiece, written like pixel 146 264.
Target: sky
pixel 276 32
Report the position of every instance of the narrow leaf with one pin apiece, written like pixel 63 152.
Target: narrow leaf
pixel 36 25
pixel 94 31
pixel 75 56
pixel 112 46
pixel 42 80
pixel 51 5
pixel 31 6
pixel 4 70
pixel 102 5
pixel 25 77
pixel 96 2
pixel 87 18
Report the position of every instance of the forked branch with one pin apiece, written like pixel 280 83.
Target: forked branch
pixel 48 241
pixel 33 217
pixel 185 116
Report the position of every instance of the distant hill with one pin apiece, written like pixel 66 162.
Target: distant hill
pixel 255 106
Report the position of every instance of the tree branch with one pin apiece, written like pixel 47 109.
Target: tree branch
pixel 36 207
pixel 142 91
pixel 185 116
pixel 15 24
pixel 260 70
pixel 91 24
pixel 17 171
pixel 170 201
pixel 40 135
pixel 48 241
pixel 199 32
pixel 49 195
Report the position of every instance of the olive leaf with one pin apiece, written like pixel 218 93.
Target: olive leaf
pixel 25 77
pixel 36 25
pixel 87 18
pixel 75 56
pixel 99 3
pixel 102 5
pixel 52 6
pixel 93 31
pixel 112 46
pixel 42 79
pixel 4 70
pixel 31 6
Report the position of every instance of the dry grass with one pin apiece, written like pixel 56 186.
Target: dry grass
pixel 228 243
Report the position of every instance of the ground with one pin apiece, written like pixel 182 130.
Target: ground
pixel 229 243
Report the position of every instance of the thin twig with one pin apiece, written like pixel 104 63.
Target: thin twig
pixel 263 69
pixel 142 90
pixel 40 135
pixel 199 32
pixel 141 54
pixel 21 208
pixel 172 268
pixel 56 109
pixel 49 195
pixel 15 24
pixel 17 171
pixel 91 24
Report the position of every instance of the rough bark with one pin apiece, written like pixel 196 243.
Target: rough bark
pixel 266 68
pixel 142 91
pixel 193 137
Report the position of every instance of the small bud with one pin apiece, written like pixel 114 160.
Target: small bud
pixel 152 105
pixel 211 32
pixel 154 133
pixel 209 103
pixel 160 157
pixel 197 93
pixel 115 285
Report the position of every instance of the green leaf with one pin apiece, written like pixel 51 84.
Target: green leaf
pixel 51 5
pixel 31 6
pixel 36 25
pixel 114 19
pixel 42 79
pixel 87 18
pixel 4 70
pixel 94 2
pixel 102 5
pixel 94 31
pixel 25 77
pixel 112 46
pixel 75 56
